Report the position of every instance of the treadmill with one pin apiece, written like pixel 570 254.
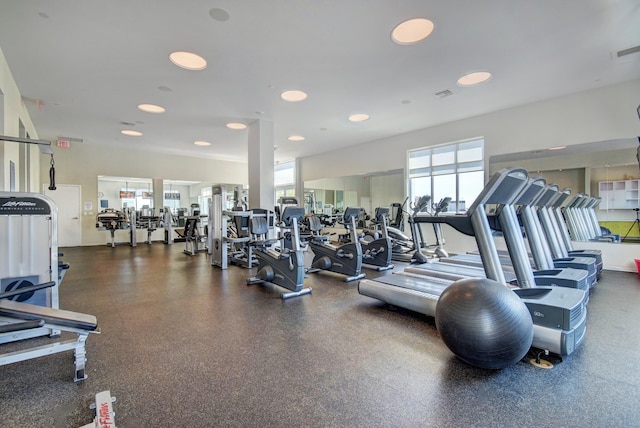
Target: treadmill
pixel 564 273
pixel 552 231
pixel 554 207
pixel 559 314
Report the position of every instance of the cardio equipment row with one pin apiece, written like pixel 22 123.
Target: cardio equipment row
pixel 558 313
pixel 544 293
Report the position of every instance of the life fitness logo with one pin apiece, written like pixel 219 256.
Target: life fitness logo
pixel 19 204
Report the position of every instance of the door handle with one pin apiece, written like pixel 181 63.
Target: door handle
pixel 75 218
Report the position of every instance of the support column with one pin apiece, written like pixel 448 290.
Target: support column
pixel 261 189
pixel 158 195
pixel 299 182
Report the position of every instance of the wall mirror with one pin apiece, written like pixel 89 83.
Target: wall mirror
pixel 584 168
pixel 367 191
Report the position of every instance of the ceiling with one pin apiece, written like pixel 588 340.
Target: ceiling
pixel 83 66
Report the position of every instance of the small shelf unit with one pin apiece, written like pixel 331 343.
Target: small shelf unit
pixel 619 195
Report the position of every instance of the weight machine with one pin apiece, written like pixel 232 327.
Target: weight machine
pixel 31 274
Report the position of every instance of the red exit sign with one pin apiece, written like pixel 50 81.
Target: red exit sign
pixel 63 143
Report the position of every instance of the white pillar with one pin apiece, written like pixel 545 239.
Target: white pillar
pixel 158 195
pixel 261 189
pixel 299 182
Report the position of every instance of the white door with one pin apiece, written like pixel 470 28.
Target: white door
pixel 67 198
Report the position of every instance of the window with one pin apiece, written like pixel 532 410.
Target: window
pixel 284 179
pixel 453 170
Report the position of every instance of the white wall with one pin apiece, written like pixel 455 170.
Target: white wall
pixel 82 164
pixel 601 114
pixel 14 111
pixel 386 189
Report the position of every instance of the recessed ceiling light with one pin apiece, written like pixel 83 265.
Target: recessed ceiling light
pixel 151 108
pixel 188 60
pixel 412 31
pixel 202 143
pixel 293 96
pixel 236 125
pixel 131 132
pixel 360 117
pixel 473 79
pixel 296 138
pixel 219 14
pixel 558 148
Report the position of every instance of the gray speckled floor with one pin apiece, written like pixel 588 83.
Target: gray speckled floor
pixel 184 344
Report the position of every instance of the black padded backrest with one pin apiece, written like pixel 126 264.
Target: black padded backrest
pixel 190 227
pixel 258 226
pixel 315 225
pixel 242 225
pixel 290 213
pixel 263 211
pixel 381 213
pixel 351 212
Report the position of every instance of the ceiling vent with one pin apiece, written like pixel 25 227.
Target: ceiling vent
pixel 444 94
pixel 127 123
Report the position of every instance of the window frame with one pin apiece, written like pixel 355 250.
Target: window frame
pixel 421 163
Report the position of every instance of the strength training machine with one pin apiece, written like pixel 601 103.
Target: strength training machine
pixel 31 275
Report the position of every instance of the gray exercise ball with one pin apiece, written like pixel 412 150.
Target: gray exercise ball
pixel 484 323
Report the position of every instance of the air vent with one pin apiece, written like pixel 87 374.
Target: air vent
pixel 444 94
pixel 127 123
pixel 629 51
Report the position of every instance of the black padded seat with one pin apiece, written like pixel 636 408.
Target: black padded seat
pixel 58 317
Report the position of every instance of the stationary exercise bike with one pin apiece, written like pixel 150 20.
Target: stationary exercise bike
pixel 345 259
pixel 284 268
pixel 376 244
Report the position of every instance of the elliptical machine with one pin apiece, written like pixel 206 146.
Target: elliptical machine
pixel 438 208
pixel 345 259
pixel 284 268
pixel 409 248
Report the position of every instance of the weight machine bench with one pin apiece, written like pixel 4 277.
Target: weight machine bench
pixel 20 321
